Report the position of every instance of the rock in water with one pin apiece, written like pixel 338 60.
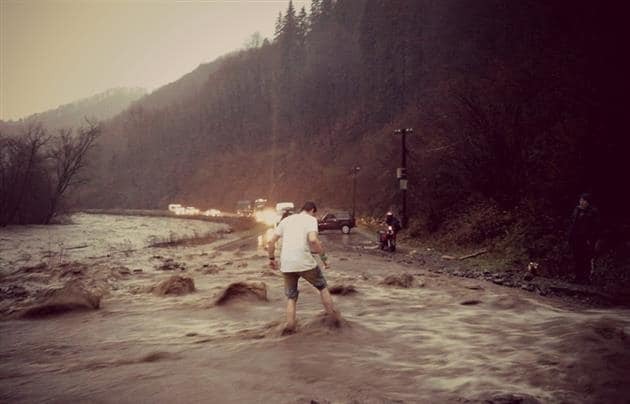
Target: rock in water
pixel 243 290
pixel 175 285
pixel 403 280
pixel 72 297
pixel 471 302
pixel 342 290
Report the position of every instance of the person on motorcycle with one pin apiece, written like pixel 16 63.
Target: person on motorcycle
pixel 387 238
pixel 393 221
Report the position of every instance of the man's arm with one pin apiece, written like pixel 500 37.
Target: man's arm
pixel 314 243
pixel 271 250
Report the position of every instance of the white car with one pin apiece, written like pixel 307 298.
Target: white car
pixel 281 209
pixel 212 212
pixel 191 210
pixel 174 207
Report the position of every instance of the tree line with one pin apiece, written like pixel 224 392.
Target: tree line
pixel 515 107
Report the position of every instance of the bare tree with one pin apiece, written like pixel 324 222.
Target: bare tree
pixel 254 41
pixel 68 157
pixel 19 158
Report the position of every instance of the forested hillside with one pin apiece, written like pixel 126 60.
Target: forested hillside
pixel 514 105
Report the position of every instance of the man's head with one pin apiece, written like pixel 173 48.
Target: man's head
pixel 585 201
pixel 310 208
pixel 389 217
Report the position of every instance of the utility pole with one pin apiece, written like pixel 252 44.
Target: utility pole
pixel 354 170
pixel 401 173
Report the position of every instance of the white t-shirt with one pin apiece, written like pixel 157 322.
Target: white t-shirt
pixel 296 254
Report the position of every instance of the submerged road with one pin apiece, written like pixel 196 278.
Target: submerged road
pixel 409 334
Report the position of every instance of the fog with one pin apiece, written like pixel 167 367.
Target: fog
pixel 53 52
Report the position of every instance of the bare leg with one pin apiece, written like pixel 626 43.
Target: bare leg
pixel 327 301
pixel 291 304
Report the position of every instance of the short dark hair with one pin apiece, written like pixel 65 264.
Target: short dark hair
pixel 309 205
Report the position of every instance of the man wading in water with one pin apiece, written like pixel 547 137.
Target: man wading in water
pixel 299 243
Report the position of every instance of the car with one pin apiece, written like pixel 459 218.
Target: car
pixel 244 208
pixel 283 209
pixel 212 212
pixel 260 204
pixel 341 220
pixel 191 211
pixel 174 207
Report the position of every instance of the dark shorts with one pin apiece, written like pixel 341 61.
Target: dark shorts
pixel 313 276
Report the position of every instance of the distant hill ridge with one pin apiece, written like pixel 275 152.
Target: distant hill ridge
pixel 185 87
pixel 101 106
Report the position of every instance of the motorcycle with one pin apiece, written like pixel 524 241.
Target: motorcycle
pixel 387 239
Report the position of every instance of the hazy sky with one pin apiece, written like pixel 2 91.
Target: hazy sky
pixel 57 51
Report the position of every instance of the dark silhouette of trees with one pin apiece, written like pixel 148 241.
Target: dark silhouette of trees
pixel 20 165
pixel 37 169
pixel 513 106
pixel 68 155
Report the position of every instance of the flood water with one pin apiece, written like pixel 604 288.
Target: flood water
pixel 441 339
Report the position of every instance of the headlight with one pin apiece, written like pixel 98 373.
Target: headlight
pixel 267 216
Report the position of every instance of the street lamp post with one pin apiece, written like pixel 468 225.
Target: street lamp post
pixel 401 173
pixel 354 170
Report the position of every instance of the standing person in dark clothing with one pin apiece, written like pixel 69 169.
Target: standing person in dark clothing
pixel 583 235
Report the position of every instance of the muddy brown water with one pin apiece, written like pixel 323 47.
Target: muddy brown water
pixel 443 339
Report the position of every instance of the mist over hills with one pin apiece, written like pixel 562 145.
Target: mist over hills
pixel 99 107
pixel 185 87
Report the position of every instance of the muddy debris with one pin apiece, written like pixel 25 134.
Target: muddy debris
pixel 156 357
pixel 325 323
pixel 170 265
pixel 71 297
pixel 41 267
pixel 239 291
pixel 508 398
pixel 471 302
pixel 122 270
pixel 271 329
pixel 14 292
pixel 73 269
pixel 209 269
pixel 174 286
pixel 150 357
pixel 402 281
pixel 342 290
pixel 608 328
